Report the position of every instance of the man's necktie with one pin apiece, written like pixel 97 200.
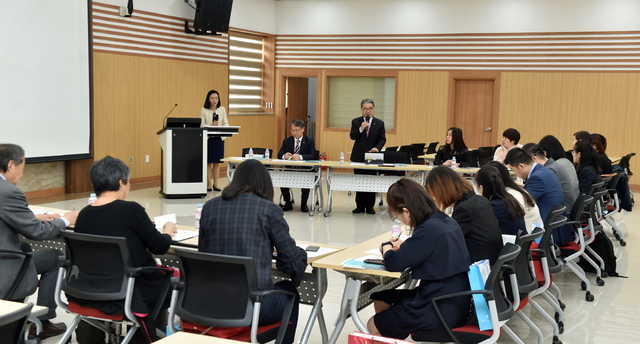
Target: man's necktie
pixel 297 149
pixel 368 127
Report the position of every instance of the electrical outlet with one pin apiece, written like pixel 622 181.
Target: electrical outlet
pixel 131 159
pixel 146 158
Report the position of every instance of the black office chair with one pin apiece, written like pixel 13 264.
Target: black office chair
pixel 613 207
pixel 406 149
pixel 484 155
pixel 417 149
pixel 16 264
pixel 12 325
pixel 218 293
pixel 432 148
pixel 84 276
pixel 391 149
pixel 624 163
pixel 500 307
pixel 474 158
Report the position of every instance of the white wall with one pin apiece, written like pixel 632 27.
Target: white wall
pixel 454 16
pixel 254 15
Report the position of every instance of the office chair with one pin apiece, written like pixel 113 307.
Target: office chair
pixel 500 307
pixel 432 148
pixel 417 149
pixel 613 207
pixel 18 262
pixel 13 324
pixel 85 277
pixel 474 158
pixel 624 163
pixel 391 149
pixel 484 155
pixel 217 293
pixel 406 149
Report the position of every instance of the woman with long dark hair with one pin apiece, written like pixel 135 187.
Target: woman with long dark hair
pixel 213 114
pixel 587 163
pixel 454 147
pixel 436 255
pixel 599 143
pixel 508 211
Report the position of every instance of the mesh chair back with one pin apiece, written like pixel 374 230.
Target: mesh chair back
pixel 505 261
pixel 474 158
pixel 432 148
pixel 594 187
pixel 87 276
pixel 217 289
pixel 484 155
pixel 527 281
pixel 12 325
pixel 391 149
pixel 14 267
pixel 554 220
pixel 624 163
pixel 393 157
pixel 417 149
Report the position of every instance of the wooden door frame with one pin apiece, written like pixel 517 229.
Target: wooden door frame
pixel 280 89
pixel 475 75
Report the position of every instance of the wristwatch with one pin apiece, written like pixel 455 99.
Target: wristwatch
pixel 386 243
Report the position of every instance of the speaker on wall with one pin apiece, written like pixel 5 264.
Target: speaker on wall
pixel 213 15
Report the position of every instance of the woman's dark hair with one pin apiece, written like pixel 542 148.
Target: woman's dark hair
pixel 107 173
pixel 250 177
pixel 510 183
pixel 600 143
pixel 588 156
pixel 493 188
pixel 582 136
pixel 406 193
pixel 446 186
pixel 207 104
pixel 512 135
pixel 552 147
pixel 456 141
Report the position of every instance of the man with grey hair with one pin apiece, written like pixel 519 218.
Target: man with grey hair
pixel 368 135
pixel 17 219
pixel 297 147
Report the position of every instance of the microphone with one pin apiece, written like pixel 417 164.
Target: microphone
pixel 165 117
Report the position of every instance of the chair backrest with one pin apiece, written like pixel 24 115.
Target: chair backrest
pixel 527 281
pixel 406 149
pixel 417 149
pixel 391 149
pixel 579 206
pixel 257 151
pixel 484 155
pixel 613 182
pixel 227 283
pixel 12 325
pixel 624 163
pixel 394 157
pixel 504 262
pixel 595 186
pixel 474 158
pixel 554 220
pixel 432 148
pixel 87 276
pixel 15 266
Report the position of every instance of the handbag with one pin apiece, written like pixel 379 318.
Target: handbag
pixel 478 273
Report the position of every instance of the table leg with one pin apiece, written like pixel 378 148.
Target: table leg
pixel 350 295
pixel 329 194
pixel 316 311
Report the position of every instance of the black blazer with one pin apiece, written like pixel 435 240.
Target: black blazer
pixel 362 143
pixel 307 148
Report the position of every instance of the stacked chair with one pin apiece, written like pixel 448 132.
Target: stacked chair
pixel 613 207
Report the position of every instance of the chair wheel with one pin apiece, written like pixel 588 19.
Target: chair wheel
pixel 599 281
pixel 561 327
pixel 589 297
pixel 557 317
pixel 617 236
pixel 583 285
pixel 604 274
pixel 623 243
pixel 562 305
pixel 556 340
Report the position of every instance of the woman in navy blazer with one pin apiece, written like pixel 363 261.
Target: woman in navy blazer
pixel 507 209
pixel 588 165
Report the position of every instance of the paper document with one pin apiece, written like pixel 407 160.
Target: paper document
pixel 39 211
pixel 162 219
pixel 184 235
pixel 357 163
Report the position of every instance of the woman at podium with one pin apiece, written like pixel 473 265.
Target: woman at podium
pixel 214 114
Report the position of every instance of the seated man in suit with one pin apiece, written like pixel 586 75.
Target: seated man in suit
pixel 297 147
pixel 543 185
pixel 17 219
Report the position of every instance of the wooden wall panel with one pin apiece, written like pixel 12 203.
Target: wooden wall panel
pixel 257 131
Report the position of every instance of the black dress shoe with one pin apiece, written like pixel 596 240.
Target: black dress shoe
pixel 287 206
pixel 217 189
pixel 48 330
pixel 304 208
pixel 358 210
pixel 371 211
pixel 209 189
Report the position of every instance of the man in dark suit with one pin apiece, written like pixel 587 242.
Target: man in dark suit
pixel 543 185
pixel 297 147
pixel 17 219
pixel 368 135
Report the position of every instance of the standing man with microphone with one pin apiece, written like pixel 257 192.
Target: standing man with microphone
pixel 368 135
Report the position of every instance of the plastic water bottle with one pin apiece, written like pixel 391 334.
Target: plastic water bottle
pixel 341 158
pixel 266 154
pixel 454 164
pixel 250 153
pixel 396 229
pixel 92 198
pixel 198 215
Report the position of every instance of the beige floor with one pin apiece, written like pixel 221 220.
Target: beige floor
pixel 612 318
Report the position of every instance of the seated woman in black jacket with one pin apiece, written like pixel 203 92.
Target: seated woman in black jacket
pixel 471 211
pixel 588 165
pixel 506 208
pixel 454 147
pixel 599 143
pixel 437 256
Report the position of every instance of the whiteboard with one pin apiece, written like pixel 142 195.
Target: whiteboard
pixel 45 79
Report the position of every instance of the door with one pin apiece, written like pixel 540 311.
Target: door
pixel 297 100
pixel 473 111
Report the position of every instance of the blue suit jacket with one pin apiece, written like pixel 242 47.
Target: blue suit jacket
pixel 307 148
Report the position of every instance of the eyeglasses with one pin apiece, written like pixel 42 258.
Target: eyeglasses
pixel 367 109
pixel 297 130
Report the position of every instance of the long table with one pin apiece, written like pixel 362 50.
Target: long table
pixel 289 174
pixel 360 283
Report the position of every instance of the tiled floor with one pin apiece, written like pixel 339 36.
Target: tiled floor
pixel 611 318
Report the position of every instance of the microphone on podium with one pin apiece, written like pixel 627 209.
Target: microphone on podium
pixel 165 117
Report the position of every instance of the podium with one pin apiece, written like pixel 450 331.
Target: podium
pixel 184 156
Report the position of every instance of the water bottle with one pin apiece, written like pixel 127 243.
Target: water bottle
pixel 341 158
pixel 250 153
pixel 92 198
pixel 396 229
pixel 198 215
pixel 266 154
pixel 454 164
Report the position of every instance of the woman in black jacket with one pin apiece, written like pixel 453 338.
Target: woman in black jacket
pixel 453 147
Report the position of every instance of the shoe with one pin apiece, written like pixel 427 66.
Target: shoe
pixel 358 210
pixel 48 330
pixel 287 206
pixel 304 208
pixel 217 189
pixel 209 189
pixel 371 211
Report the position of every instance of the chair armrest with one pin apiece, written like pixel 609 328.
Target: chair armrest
pixel 176 283
pixel 486 292
pixel 539 251
pixel 134 272
pixel 259 295
pixel 63 261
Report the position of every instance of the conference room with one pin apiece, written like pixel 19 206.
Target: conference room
pixel 545 69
